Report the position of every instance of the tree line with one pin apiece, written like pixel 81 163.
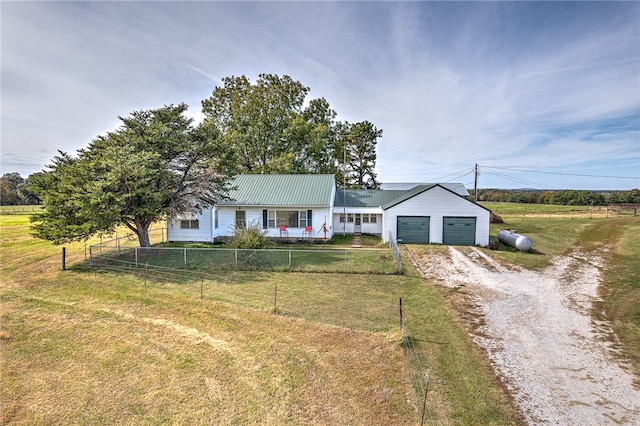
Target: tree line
pixel 14 191
pixel 563 197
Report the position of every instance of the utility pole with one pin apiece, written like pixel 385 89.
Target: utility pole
pixel 475 184
pixel 344 189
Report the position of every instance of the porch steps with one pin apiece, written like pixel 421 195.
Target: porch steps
pixel 357 242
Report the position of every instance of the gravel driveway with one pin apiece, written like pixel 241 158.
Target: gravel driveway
pixel 559 364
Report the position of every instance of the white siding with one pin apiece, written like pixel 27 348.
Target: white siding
pixel 437 203
pixel 227 219
pixel 203 234
pixel 366 228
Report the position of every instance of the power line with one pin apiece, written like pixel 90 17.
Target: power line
pixel 520 181
pixel 558 173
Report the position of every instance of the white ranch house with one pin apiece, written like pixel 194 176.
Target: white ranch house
pixel 311 207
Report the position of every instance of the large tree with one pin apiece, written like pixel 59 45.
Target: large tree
pixel 156 164
pixel 10 184
pixel 271 127
pixel 359 144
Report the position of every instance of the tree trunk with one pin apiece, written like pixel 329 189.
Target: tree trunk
pixel 142 229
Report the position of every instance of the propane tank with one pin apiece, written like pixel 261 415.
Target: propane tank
pixel 515 240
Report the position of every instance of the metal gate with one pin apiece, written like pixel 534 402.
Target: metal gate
pixel 413 229
pixel 459 231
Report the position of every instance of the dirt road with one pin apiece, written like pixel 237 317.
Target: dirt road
pixel 558 363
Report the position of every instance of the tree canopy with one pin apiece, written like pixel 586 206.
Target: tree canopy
pixel 13 190
pixel 156 164
pixel 270 127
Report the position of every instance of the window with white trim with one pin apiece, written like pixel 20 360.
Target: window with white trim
pixel 302 219
pixel 369 218
pixel 190 224
pixel 188 220
pixel 289 218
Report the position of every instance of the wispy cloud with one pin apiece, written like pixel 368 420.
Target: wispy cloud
pixel 546 84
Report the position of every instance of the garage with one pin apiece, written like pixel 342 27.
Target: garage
pixel 413 229
pixel 459 231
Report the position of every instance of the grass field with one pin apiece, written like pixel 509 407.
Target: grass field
pixel 80 347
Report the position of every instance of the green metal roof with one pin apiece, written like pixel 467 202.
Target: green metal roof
pixel 419 190
pixel 409 194
pixel 281 190
pixel 365 197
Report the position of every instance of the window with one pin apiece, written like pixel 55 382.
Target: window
pixel 369 218
pixel 188 220
pixel 189 224
pixel 342 218
pixel 350 217
pixel 241 219
pixel 289 218
pixel 215 218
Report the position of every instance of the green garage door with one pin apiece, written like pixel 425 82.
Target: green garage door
pixel 413 229
pixel 459 231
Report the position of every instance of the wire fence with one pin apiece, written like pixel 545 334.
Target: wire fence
pixel 360 261
pixel 124 252
pixel 196 271
pixel 285 298
pixel 20 209
pixel 397 253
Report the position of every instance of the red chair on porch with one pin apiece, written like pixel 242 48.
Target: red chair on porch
pixel 283 231
pixel 307 232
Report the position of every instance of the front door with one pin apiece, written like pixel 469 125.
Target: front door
pixel 357 229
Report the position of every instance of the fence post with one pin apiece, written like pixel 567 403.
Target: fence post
pixel 64 258
pixel 275 298
pixel 201 285
pixel 236 254
pixel 289 260
pixel 136 251
pixel 424 402
pixel 90 257
pixel 185 258
pixel 345 261
pixel 401 317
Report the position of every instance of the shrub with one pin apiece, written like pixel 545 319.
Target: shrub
pixel 251 237
pixel 494 218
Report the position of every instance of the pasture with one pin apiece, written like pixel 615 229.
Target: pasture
pixel 81 346
pixel 250 347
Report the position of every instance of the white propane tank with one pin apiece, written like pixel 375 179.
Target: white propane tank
pixel 511 238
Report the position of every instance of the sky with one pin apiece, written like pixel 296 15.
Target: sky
pixel 542 95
